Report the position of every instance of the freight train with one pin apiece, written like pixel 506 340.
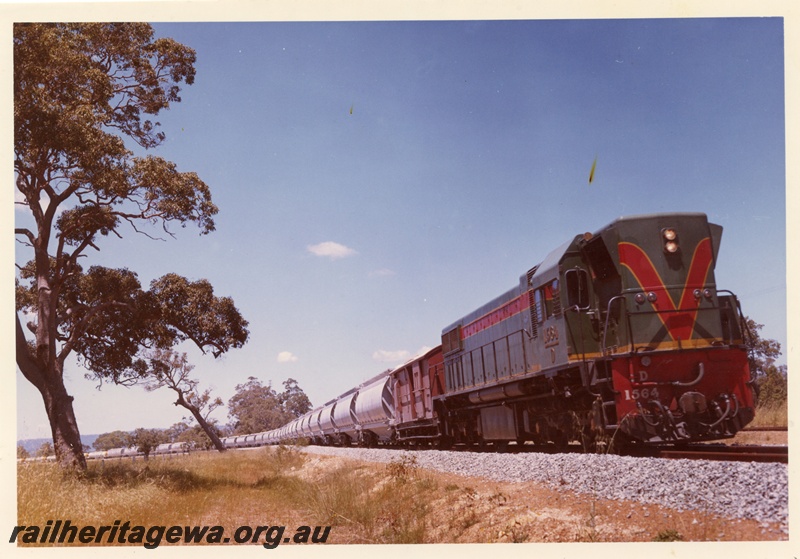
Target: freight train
pixel 620 335
pixel 617 335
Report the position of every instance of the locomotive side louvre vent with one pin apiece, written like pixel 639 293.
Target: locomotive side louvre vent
pixel 532 304
pixel 451 341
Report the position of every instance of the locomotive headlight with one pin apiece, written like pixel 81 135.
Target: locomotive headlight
pixel 652 297
pixel 670 240
pixel 640 298
pixel 707 293
pixel 697 293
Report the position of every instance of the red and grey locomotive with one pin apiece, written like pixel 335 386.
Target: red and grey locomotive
pixel 621 332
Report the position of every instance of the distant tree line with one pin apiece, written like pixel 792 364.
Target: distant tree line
pixel 771 379
pixel 254 408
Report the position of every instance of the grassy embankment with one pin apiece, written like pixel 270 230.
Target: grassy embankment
pixel 260 487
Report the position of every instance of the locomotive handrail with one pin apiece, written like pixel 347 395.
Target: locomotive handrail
pixel 604 348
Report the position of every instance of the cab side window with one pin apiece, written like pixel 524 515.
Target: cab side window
pixel 577 288
pixel 547 301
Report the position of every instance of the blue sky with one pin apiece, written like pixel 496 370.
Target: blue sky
pixel 378 180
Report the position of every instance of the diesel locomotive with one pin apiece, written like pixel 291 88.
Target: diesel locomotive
pixel 621 334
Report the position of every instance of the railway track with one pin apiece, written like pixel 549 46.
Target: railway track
pixel 744 453
pixel 764 429
pixel 698 451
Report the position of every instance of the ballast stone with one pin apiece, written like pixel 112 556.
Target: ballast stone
pixel 748 490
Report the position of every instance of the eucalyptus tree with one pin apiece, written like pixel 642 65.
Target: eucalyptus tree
pixel 171 369
pixel 80 92
pixel 256 407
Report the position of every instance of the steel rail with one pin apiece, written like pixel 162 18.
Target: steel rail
pixel 743 453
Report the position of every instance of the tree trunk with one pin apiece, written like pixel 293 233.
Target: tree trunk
pixel 48 379
pixel 209 431
pixel 66 435
pixel 200 420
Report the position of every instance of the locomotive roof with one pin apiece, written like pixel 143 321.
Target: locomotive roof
pixel 639 217
pixel 544 271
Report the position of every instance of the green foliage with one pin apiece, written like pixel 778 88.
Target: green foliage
pixel 196 437
pixel 170 369
pixel 146 440
pixel 293 399
pixel 22 453
pixel 80 91
pixel 115 439
pixel 771 379
pixel 255 408
pixel 109 317
pixel 764 351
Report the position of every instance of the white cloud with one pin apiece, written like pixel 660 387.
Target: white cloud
pixel 400 356
pixel 331 250
pixel 386 356
pixel 286 357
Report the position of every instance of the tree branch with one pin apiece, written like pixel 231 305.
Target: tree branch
pixel 79 327
pixel 27 232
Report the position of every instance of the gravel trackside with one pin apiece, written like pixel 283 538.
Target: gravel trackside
pixel 748 490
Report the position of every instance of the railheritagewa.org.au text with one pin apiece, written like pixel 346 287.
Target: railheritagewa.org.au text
pixel 64 532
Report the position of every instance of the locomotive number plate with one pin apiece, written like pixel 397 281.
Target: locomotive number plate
pixel 550 336
pixel 641 394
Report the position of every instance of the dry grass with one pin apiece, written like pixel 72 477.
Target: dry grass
pixel 776 415
pixel 362 502
pixel 236 489
pixel 204 488
pixel 766 416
